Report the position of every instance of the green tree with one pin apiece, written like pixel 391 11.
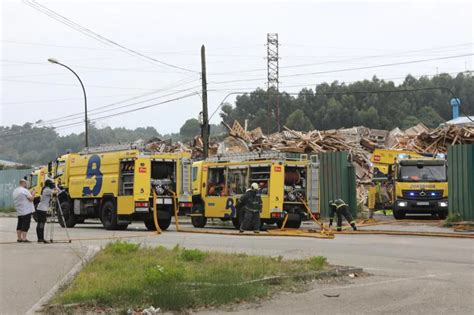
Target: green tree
pixel 299 121
pixel 190 129
pixel 409 121
pixel 429 117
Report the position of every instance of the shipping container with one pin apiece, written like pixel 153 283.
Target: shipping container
pixel 337 180
pixel 461 181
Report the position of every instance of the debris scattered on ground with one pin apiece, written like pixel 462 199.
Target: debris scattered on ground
pixel 331 295
pixel 147 311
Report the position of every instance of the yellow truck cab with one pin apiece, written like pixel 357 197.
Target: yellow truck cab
pixel 421 186
pixel 284 182
pixel 36 182
pixel 115 183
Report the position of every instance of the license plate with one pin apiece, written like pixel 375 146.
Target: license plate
pixel 141 209
pixel 422 203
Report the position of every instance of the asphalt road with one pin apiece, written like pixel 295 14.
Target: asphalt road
pixel 409 275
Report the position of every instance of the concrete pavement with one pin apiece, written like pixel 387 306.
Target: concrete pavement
pixel 409 274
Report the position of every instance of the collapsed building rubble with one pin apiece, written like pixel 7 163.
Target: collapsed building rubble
pixel 360 142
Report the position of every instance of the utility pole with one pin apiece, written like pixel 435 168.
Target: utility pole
pixel 273 81
pixel 205 118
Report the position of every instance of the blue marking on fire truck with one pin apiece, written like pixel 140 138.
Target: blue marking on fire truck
pixel 230 205
pixel 93 170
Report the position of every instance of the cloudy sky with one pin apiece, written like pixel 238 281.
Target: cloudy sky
pixel 158 62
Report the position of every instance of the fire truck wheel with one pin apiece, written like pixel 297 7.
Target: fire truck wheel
pixel 109 215
pixel 69 218
pixel 398 214
pixel 293 224
pixel 164 223
pixel 122 227
pixel 199 222
pixel 150 224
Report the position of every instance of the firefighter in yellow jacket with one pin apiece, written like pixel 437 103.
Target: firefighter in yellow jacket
pixel 339 208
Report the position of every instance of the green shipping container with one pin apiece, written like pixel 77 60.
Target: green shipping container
pixel 337 180
pixel 461 181
pixel 8 182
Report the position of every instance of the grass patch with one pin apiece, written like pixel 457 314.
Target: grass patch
pixel 125 275
pixel 7 210
pixel 452 219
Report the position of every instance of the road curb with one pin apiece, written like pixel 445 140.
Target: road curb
pixel 36 308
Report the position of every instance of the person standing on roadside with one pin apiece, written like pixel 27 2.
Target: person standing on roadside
pixel 23 201
pixel 43 207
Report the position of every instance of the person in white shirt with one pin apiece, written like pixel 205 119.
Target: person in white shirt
pixel 42 209
pixel 23 201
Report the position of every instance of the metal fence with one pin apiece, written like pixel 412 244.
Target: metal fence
pixel 337 180
pixel 461 181
pixel 8 182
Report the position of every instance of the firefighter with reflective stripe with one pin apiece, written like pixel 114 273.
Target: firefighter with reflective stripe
pixel 339 208
pixel 251 204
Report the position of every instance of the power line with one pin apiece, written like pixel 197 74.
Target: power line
pixel 98 111
pixel 345 60
pixel 19 62
pixel 378 66
pixel 64 99
pixel 180 52
pixel 66 84
pixel 417 76
pixel 348 69
pixel 408 52
pixel 81 114
pixel 88 32
pixel 102 117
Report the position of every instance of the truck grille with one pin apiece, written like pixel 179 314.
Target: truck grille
pixel 422 194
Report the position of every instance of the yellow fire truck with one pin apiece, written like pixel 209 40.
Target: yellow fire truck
pixel 115 183
pixel 284 182
pixel 36 182
pixel 417 182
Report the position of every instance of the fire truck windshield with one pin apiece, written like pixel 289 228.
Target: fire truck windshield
pixel 422 173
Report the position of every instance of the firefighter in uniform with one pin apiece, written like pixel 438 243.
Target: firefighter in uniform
pixel 251 204
pixel 339 208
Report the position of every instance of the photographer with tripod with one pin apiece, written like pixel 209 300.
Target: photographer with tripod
pixel 42 210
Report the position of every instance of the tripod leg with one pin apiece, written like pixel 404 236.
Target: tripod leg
pixel 62 216
pixel 51 224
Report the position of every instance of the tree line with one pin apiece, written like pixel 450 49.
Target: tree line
pixel 32 145
pixel 340 105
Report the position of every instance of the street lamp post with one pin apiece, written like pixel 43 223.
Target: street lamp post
pixel 85 97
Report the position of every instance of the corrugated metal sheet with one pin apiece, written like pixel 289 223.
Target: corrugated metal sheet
pixel 8 182
pixel 461 181
pixel 337 180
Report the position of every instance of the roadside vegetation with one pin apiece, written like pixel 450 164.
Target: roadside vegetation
pixel 452 219
pixel 7 210
pixel 125 275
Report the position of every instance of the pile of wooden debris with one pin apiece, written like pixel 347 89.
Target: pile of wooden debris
pixel 435 140
pixel 356 141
